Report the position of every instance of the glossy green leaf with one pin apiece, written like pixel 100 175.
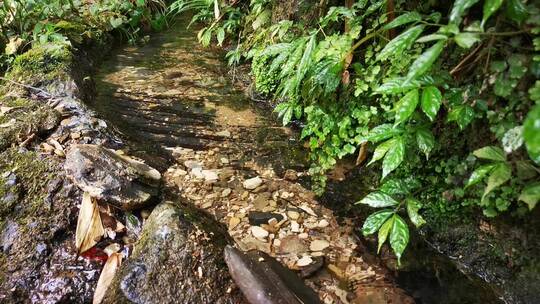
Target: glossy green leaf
pixel 531 133
pixel 459 8
pixel 220 35
pixel 378 200
pixel 375 221
pixel 384 231
pixel 530 195
pixel 399 44
pixel 466 40
pixel 406 106
pixel 413 206
pixel 397 85
pixel 490 6
pixel 399 186
pixel 381 132
pixel 399 237
pixel 425 141
pixel 479 174
pixel 431 101
pixel 498 176
pixel 381 150
pixel 403 19
pixel 431 37
pixel 462 115
pixel 491 153
pixel 425 61
pixel 516 10
pixel 394 157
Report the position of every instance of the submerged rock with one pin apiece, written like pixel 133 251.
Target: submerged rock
pixel 177 260
pixel 117 179
pixel 264 280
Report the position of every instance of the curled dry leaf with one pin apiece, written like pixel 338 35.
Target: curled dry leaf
pixel 89 226
pixel 107 274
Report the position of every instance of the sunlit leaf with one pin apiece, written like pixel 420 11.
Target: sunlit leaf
pixel 402 42
pixel 399 237
pixel 459 8
pixel 425 61
pixel 479 174
pixel 413 206
pixel 89 227
pixel 466 40
pixel 381 150
pixel 105 278
pixel 381 132
pixel 462 115
pixel 406 106
pixel 375 221
pixel 490 6
pixel 513 139
pixel 491 153
pixel 531 133
pixel 408 17
pixel 498 176
pixel 530 195
pixel 383 232
pixel 378 200
pixel 394 157
pixel 431 101
pixel 425 141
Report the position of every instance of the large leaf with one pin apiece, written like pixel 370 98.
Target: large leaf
pixel 431 101
pixel 466 40
pixel 530 195
pixel 491 153
pixel 479 174
pixel 403 19
pixel 89 227
pixel 381 132
pixel 490 6
pixel 425 61
pixel 399 237
pixel 425 141
pixel 531 133
pixel 375 221
pixel 516 10
pixel 393 157
pixel 413 206
pixel 406 106
pixel 399 186
pixel 459 8
pixel 383 232
pixel 500 175
pixel 381 150
pixel 462 115
pixel 402 42
pixel 378 200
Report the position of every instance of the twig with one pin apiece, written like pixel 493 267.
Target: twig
pixel 464 60
pixel 27 140
pixel 28 87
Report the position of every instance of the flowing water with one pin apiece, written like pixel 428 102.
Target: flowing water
pixel 172 92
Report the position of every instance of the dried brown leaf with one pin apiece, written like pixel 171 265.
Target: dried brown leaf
pixel 107 274
pixel 89 226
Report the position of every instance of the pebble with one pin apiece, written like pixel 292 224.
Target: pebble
pixel 233 222
pixel 252 183
pixel 226 192
pixel 259 232
pixel 304 261
pixel 210 175
pixel 295 227
pixel 224 133
pixel 191 164
pixel 293 215
pixel 318 245
pixel 303 236
pixel 323 223
pixel 224 160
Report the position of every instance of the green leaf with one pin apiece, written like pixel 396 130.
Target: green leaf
pixel 491 153
pixel 516 10
pixel 425 141
pixel 399 44
pixel 466 40
pixel 116 22
pixel 530 195
pixel 490 6
pixel 393 157
pixel 403 19
pixel 531 133
pixel 431 101
pixel 375 221
pixel 399 186
pixel 378 200
pixel 431 37
pixel 384 231
pixel 381 132
pixel 424 61
pixel 220 36
pixel 399 237
pixel 406 106
pixel 462 115
pixel 397 85
pixel 500 175
pixel 413 206
pixel 381 150
pixel 459 8
pixel 479 174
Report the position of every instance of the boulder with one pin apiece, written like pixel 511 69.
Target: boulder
pixel 114 178
pixel 177 260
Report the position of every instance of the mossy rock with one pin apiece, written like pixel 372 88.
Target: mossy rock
pixel 24 119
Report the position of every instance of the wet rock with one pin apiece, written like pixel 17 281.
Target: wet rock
pixel 127 183
pixel 252 183
pixel 259 218
pixel 264 280
pixel 177 260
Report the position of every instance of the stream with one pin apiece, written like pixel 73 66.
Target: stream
pixel 171 94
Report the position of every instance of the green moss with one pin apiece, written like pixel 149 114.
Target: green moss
pixel 41 64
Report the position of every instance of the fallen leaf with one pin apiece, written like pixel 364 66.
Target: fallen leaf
pixel 89 227
pixel 107 274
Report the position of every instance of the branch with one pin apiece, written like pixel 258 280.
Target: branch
pixel 28 87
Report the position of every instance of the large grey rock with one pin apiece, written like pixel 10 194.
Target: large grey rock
pixel 114 178
pixel 177 260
